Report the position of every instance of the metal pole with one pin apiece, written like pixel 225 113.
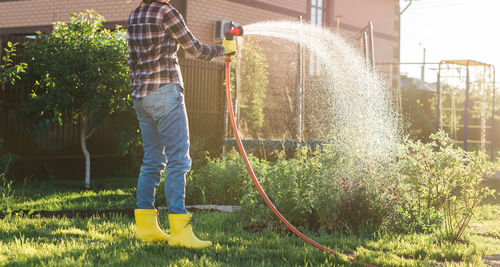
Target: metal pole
pixel 400 95
pixel 299 93
pixel 372 45
pixel 466 109
pixel 401 13
pixel 483 89
pixel 366 47
pixel 423 70
pixel 338 24
pixel 438 88
pixel 493 118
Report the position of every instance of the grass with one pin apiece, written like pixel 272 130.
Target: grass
pixel 65 195
pixel 109 240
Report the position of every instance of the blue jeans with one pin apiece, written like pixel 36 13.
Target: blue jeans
pixel 165 135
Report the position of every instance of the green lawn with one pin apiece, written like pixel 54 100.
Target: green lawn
pixel 108 240
pixel 63 195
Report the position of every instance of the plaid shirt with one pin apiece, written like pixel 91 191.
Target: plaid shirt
pixel 155 31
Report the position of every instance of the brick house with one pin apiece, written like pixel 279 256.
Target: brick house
pixel 20 17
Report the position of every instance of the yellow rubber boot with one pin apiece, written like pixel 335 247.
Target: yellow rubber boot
pixel 146 226
pixel 181 232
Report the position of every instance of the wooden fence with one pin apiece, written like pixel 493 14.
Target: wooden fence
pixel 56 150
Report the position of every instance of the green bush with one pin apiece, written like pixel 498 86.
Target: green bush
pixel 307 188
pixel 310 191
pixel 6 184
pixel 361 205
pixel 9 71
pixel 289 183
pixel 444 184
pixel 354 197
pixel 252 79
pixel 428 187
pixel 222 181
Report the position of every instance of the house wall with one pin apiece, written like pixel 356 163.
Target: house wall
pixel 384 14
pixel 22 16
pixel 202 14
pixel 28 16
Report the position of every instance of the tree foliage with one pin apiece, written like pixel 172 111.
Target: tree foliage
pixel 9 71
pixel 252 78
pixel 445 185
pixel 79 75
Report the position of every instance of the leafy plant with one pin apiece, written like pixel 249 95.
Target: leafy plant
pixel 360 205
pixel 6 193
pixel 9 71
pixel 290 183
pixel 6 190
pixel 445 184
pixel 252 80
pixel 221 181
pixel 305 188
pixel 79 75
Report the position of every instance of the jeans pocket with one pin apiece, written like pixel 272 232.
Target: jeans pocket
pixel 154 104
pixel 166 100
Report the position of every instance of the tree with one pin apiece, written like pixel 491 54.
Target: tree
pixel 252 85
pixel 79 75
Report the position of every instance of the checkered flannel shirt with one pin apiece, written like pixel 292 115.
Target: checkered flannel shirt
pixel 155 31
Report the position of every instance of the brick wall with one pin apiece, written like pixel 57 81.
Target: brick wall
pixel 201 15
pixel 385 17
pixel 44 12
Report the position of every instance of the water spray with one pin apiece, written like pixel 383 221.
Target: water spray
pixel 238 31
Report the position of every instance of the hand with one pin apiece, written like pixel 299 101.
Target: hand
pixel 229 46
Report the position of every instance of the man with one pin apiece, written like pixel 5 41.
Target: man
pixel 155 32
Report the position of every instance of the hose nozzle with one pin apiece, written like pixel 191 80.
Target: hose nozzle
pixel 236 31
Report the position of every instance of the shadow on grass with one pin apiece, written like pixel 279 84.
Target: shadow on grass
pixel 251 251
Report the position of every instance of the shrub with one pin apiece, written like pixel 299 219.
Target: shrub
pixel 429 186
pixel 444 184
pixel 289 183
pixel 252 80
pixel 9 71
pixel 310 192
pixel 221 181
pixel 6 184
pixel 358 206
pixel 356 198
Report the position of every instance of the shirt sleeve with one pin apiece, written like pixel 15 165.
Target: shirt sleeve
pixel 176 27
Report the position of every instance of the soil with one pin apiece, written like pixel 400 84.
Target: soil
pixel 124 212
pixel 492 260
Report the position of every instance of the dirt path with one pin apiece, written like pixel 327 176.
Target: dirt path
pixel 492 260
